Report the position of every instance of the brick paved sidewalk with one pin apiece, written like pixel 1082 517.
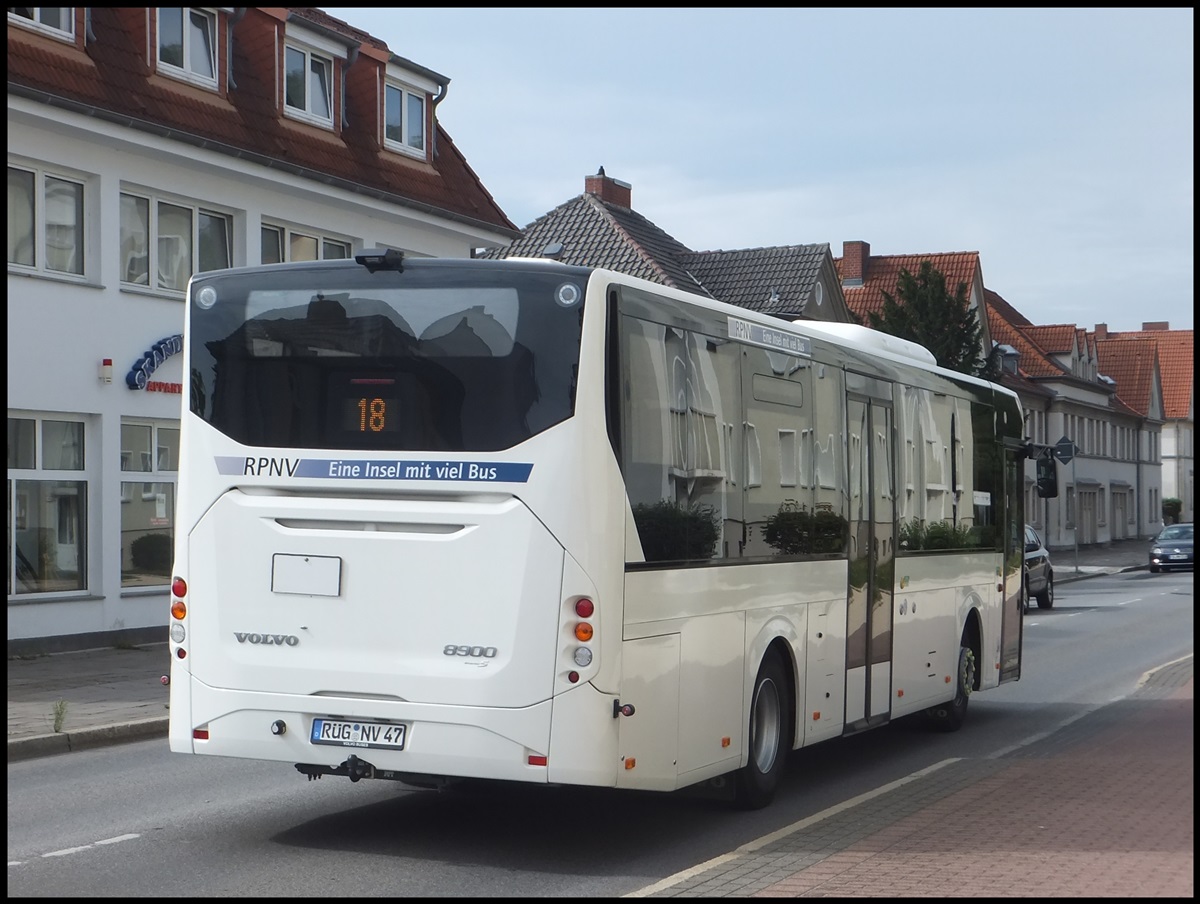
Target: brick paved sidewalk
pixel 1101 808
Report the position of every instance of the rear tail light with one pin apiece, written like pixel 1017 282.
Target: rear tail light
pixel 178 592
pixel 584 633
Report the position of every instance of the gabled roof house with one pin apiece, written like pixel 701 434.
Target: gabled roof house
pixel 1074 386
pixel 1175 350
pixel 600 228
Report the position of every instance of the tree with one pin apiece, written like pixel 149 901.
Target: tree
pixel 924 311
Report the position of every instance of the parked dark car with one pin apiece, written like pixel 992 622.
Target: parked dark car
pixel 1039 573
pixel 1172 548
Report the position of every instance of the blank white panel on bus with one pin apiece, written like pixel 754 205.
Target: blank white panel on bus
pixel 308 575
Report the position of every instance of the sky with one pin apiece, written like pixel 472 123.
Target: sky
pixel 1056 143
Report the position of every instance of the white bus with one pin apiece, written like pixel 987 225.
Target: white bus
pixel 518 520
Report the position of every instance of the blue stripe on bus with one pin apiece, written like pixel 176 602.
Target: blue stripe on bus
pixel 361 469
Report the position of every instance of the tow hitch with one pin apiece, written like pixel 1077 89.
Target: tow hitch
pixel 353 768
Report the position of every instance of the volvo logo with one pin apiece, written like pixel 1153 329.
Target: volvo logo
pixel 267 640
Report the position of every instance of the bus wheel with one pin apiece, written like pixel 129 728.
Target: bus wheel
pixel 951 715
pixel 770 736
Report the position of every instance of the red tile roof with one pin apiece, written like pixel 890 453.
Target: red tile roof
pixel 1176 360
pixel 1055 339
pixel 883 275
pixel 1033 361
pixel 1132 365
pixel 109 76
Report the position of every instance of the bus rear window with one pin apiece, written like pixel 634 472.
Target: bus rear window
pixel 451 356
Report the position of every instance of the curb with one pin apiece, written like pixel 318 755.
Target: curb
pixel 1071 577
pixel 85 738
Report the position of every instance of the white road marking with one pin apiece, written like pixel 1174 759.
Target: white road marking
pixel 83 847
pixel 119 838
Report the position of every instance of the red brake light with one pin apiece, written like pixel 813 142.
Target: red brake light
pixel 179 587
pixel 584 608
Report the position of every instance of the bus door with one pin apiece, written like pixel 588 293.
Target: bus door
pixel 1012 620
pixel 872 552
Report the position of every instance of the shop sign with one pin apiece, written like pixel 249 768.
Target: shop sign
pixel 139 375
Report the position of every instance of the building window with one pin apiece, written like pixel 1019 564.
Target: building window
pixel 45 222
pixel 187 42
pixel 404 120
pixel 308 84
pixel 280 244
pixel 58 21
pixel 148 504
pixel 47 505
pixel 163 242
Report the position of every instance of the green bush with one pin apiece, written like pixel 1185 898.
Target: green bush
pixel 671 532
pixel 917 534
pixel 793 530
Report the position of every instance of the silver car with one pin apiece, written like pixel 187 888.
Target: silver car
pixel 1039 574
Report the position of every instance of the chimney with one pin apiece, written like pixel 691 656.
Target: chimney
pixel 1157 326
pixel 854 263
pixel 1101 331
pixel 608 189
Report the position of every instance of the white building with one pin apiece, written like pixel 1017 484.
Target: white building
pixel 145 144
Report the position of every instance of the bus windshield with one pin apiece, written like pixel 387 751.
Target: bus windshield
pixel 440 356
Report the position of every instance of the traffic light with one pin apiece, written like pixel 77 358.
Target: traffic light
pixel 1047 475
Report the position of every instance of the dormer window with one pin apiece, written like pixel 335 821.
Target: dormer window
pixel 187 44
pixel 404 123
pixel 58 21
pixel 308 81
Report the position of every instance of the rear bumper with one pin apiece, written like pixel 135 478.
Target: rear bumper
pixel 457 741
pixel 441 740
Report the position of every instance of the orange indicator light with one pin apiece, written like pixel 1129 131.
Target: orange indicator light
pixel 178 609
pixel 630 762
pixel 583 631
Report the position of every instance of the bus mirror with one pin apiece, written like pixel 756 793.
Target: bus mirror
pixel 1047 476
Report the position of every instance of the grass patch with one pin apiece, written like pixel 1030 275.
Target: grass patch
pixel 60 713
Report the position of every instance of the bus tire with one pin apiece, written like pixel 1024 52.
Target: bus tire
pixel 949 716
pixel 769 736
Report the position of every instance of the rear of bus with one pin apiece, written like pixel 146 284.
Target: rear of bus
pixel 370 572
